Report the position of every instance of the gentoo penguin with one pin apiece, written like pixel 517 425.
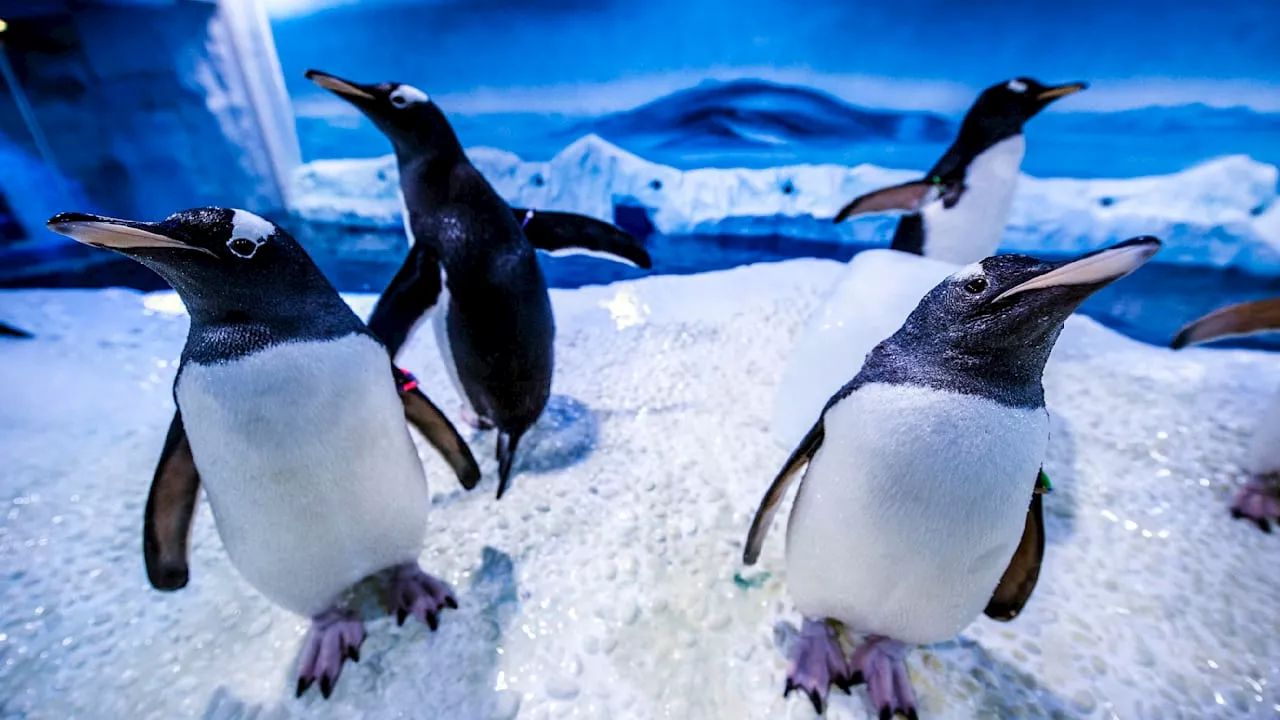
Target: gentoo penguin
pixel 958 212
pixel 290 418
pixel 1259 498
pixel 918 509
pixel 472 262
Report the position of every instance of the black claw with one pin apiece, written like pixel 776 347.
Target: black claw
pixel 886 713
pixel 353 653
pixel 856 678
pixel 1264 525
pixel 303 685
pixel 450 602
pixel 911 714
pixel 1236 514
pixel 790 686
pixel 326 686
pixel 400 616
pixel 816 699
pixel 432 622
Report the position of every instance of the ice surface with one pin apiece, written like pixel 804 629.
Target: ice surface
pixel 1220 213
pixel 605 583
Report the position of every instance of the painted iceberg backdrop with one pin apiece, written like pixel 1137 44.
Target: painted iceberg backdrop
pixel 1221 213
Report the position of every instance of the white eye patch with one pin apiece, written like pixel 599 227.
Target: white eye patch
pixel 969 272
pixel 248 233
pixel 406 95
pixel 1017 86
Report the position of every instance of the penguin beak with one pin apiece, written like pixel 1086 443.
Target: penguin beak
pixel 1092 271
pixel 1050 94
pixel 120 235
pixel 343 88
pixel 1232 321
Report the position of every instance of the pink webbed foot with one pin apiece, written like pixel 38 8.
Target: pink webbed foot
pixel 335 637
pixel 1259 501
pixel 880 663
pixel 817 663
pixel 417 594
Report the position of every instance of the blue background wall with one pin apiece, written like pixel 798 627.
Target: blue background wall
pixel 1173 83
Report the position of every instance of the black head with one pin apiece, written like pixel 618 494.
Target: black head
pixel 227 265
pixel 1002 109
pixel 402 112
pixel 989 328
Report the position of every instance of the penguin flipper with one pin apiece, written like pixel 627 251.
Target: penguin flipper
pixel 171 504
pixel 1241 319
pixel 773 497
pixel 413 291
pixel 438 431
pixel 7 330
pixel 908 197
pixel 559 232
pixel 1020 578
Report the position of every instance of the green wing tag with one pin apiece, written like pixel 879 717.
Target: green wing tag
pixel 1042 483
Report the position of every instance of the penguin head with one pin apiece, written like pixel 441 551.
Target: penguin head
pixel 1012 307
pixel 219 260
pixel 1002 109
pixel 405 114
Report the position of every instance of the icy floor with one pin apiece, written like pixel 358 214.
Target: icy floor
pixel 603 584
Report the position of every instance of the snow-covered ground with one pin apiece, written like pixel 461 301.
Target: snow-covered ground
pixel 1221 213
pixel 603 584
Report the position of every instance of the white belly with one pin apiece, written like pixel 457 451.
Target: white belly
pixel 1264 448
pixel 971 230
pixel 910 511
pixel 440 324
pixel 308 465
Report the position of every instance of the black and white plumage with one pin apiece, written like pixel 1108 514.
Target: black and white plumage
pixel 290 417
pixel 958 211
pixel 918 507
pixel 1258 499
pixel 472 264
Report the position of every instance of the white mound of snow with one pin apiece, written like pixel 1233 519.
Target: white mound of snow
pixel 1220 213
pixel 607 582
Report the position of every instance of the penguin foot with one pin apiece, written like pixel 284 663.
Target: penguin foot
pixel 415 593
pixel 335 637
pixel 1259 501
pixel 817 663
pixel 881 663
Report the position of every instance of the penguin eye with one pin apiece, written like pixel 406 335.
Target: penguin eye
pixel 976 285
pixel 242 247
pixel 399 100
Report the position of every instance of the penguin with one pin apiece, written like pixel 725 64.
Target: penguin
pixel 958 212
pixel 473 265
pixel 1258 499
pixel 919 506
pixel 290 417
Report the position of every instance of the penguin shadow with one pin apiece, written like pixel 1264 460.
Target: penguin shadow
pixel 456 666
pixel 1061 505
pixel 564 435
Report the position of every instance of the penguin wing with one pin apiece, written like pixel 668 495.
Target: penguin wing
pixel 558 231
pixel 1240 319
pixel 773 497
pixel 1019 579
pixel 439 432
pixel 909 197
pixel 411 293
pixel 171 504
pixel 7 330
